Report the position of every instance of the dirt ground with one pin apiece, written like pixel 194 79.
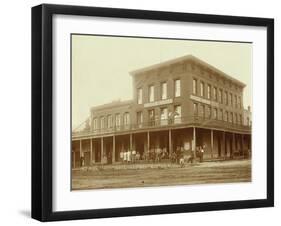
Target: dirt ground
pixel 198 173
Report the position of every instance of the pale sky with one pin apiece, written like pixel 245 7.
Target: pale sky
pixel 101 66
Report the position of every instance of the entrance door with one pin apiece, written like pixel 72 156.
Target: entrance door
pixel 109 152
pixel 87 158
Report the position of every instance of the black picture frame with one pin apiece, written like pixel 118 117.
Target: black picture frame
pixel 42 107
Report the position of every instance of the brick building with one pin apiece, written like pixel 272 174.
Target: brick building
pixel 182 103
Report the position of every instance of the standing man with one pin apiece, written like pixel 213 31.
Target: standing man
pixel 122 156
pixel 129 156
pixel 125 156
pixel 201 153
pixel 82 160
pixel 134 155
pixel 192 156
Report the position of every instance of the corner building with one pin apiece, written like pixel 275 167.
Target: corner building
pixel 182 103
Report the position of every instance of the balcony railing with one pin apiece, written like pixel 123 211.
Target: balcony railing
pixel 194 120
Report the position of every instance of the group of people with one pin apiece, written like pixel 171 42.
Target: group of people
pixel 155 155
pixel 198 153
pixel 180 155
pixel 129 156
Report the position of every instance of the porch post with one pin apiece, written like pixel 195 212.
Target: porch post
pixel 81 153
pixel 80 147
pixel 212 142
pixel 91 152
pixel 101 153
pixel 224 145
pixel 250 145
pixel 194 138
pixel 113 149
pixel 131 141
pixel 233 144
pixel 148 141
pixel 73 154
pixel 94 151
pixel 170 142
pixel 73 158
pixel 242 145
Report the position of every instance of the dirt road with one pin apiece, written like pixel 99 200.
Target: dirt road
pixel 207 172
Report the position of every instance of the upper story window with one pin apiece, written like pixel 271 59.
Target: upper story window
pixel 139 96
pixel 177 87
pixel 177 115
pixel 151 93
pixel 226 97
pixel 195 109
pixel 215 113
pixel 209 91
pixel 235 101
pixel 95 124
pixel 220 96
pixel 226 116
pixel 215 96
pixel 230 99
pixel 240 119
pixel 109 121
pixel 164 116
pixel 202 89
pixel 164 90
pixel 208 112
pixel 194 85
pixel 248 121
pixel 151 115
pixel 221 114
pixel 139 118
pixel 231 117
pixel 102 123
pixel 239 102
pixel 126 118
pixel 117 120
pixel 202 111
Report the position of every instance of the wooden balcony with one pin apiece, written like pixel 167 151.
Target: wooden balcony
pixel 166 124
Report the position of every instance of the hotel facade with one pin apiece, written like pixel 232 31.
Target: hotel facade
pixel 178 104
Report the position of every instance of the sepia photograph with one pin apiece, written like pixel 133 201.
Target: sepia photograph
pixel 149 112
pixel 140 112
